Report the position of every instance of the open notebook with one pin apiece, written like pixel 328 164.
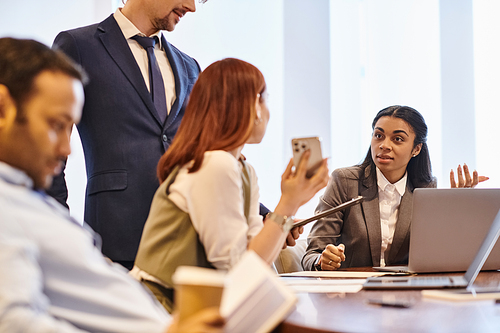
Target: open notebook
pixel 442 281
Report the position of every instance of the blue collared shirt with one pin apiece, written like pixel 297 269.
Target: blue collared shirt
pixel 53 277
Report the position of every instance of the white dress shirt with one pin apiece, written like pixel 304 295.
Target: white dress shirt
pixel 53 278
pixel 389 197
pixel 141 56
pixel 213 197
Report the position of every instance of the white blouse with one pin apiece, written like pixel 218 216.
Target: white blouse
pixel 213 197
pixel 389 197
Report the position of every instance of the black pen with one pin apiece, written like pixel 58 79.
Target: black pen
pixel 392 303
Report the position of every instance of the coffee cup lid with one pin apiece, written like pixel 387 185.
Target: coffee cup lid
pixel 193 275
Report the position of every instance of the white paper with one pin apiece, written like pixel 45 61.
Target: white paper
pixel 318 285
pixel 320 282
pixel 336 274
pixel 254 299
pixel 349 288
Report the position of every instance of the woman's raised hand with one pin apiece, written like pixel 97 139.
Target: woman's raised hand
pixel 296 188
pixel 466 181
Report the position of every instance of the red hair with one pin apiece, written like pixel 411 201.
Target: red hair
pixel 220 114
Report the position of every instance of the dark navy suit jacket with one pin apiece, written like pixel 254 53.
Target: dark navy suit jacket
pixel 121 133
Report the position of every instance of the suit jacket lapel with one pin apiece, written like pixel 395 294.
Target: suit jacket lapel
pixel 404 221
pixel 371 213
pixel 181 81
pixel 117 47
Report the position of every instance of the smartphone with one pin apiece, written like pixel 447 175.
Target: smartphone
pixel 300 145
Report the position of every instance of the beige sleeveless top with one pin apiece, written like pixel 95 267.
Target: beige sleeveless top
pixel 169 239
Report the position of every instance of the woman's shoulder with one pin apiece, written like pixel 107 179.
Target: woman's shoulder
pixel 219 157
pixel 353 172
pixel 219 162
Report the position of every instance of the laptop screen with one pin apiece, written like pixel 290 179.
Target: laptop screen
pixel 485 249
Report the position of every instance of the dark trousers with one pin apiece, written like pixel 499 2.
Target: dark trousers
pixel 126 263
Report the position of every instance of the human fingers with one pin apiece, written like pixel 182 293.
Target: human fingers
pixel 460 176
pixel 341 248
pixel 285 244
pixel 483 178
pixel 468 179
pixel 207 320
pixel 210 318
pixel 290 240
pixel 295 232
pixel 329 264
pixel 288 170
pixel 475 178
pixel 326 263
pixel 302 169
pixel 331 258
pixel 453 184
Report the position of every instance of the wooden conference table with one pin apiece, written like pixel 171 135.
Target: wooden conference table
pixel 351 312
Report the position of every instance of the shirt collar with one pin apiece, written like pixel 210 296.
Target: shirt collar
pixel 129 30
pixel 400 185
pixel 14 176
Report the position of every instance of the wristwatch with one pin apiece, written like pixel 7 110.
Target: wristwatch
pixel 285 222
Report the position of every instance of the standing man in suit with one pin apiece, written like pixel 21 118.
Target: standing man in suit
pixel 123 130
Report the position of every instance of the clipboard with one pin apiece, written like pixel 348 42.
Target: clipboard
pixel 327 212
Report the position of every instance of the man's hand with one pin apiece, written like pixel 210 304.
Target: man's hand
pixel 205 321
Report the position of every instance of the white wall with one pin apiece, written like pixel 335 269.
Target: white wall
pixel 43 20
pixel 384 52
pixel 242 29
pixel 487 88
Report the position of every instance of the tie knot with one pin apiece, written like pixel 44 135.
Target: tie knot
pixel 146 42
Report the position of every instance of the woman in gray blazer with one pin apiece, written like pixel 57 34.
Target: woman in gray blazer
pixel 377 232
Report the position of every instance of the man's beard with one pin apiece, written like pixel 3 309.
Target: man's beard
pixel 164 23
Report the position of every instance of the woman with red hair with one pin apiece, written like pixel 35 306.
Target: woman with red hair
pixel 206 211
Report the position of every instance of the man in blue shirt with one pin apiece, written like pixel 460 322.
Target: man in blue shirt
pixel 53 275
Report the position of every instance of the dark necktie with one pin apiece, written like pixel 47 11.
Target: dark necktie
pixel 156 86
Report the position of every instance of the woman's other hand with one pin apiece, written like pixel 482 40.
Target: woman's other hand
pixel 332 257
pixel 293 235
pixel 466 181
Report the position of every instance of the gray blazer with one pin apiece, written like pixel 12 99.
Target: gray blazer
pixel 358 227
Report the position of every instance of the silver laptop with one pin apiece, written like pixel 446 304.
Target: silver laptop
pixel 447 222
pixel 427 282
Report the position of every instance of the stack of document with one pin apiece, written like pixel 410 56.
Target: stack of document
pixel 327 281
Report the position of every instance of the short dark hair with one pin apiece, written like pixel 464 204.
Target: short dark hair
pixel 419 168
pixel 22 60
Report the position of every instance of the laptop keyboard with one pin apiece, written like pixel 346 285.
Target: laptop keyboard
pixel 431 280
